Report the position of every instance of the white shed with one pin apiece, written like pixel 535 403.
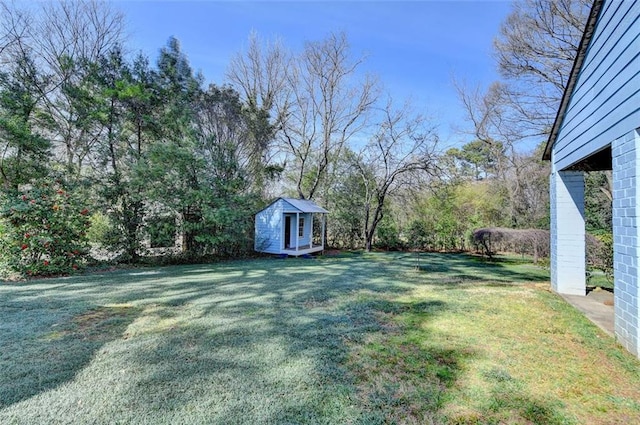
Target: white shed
pixel 286 227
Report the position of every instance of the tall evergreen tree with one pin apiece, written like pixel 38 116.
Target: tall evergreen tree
pixel 23 149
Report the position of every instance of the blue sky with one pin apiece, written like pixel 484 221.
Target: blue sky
pixel 416 48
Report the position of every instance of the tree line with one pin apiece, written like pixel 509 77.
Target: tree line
pixel 105 151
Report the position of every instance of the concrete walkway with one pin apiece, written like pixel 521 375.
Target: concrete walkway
pixel 597 306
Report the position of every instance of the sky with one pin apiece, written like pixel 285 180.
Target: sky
pixel 416 48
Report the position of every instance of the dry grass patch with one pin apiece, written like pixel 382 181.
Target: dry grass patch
pixel 493 353
pixel 102 323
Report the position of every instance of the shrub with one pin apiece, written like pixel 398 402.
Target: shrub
pixel 387 235
pixel 418 235
pixel 100 229
pixel 534 242
pixel 44 231
pixel 162 232
pixel 600 252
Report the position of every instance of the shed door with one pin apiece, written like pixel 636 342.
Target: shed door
pixel 287 231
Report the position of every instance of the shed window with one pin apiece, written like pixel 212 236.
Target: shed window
pixel 301 227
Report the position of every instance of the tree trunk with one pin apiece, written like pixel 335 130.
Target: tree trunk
pixel 369 242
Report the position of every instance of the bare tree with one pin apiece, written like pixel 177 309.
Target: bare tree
pixel 73 37
pixel 327 110
pixel 403 146
pixel 259 75
pixel 535 52
pixel 539 39
pixel 65 39
pixel 316 102
pixel 522 175
pixel 72 32
pixel 14 25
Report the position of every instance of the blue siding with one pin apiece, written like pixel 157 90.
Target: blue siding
pixel 605 103
pixel 306 237
pixel 268 229
pixel 270 222
pixel 308 229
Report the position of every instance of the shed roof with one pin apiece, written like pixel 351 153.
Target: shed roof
pixel 299 205
pixel 573 77
pixel 305 206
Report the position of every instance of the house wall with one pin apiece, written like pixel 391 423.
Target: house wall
pixel 567 233
pixel 268 229
pixel 604 105
pixel 626 235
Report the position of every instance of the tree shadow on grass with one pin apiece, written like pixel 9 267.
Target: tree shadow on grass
pixel 271 351
pixel 59 325
pixel 44 354
pixel 288 361
pixel 401 376
pixel 460 269
pixel 265 342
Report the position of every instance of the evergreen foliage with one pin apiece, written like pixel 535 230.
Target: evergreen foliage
pixel 44 230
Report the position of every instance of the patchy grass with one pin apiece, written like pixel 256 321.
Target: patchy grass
pixel 358 338
pixel 598 279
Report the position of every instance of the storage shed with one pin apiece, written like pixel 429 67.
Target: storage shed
pixel 286 226
pixel 598 128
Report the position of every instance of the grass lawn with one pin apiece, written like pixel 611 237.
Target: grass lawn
pixel 362 339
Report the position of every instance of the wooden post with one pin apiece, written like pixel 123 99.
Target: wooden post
pixel 297 230
pixel 323 221
pixel 311 233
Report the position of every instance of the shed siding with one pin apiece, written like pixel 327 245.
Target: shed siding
pixel 305 239
pixel 604 104
pixel 270 223
pixel 268 232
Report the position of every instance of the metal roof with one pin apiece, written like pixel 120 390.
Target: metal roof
pixel 305 206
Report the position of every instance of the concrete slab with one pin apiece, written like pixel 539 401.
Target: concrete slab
pixel 597 306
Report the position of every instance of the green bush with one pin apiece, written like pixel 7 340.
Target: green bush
pixel 418 235
pixel 600 252
pixel 162 232
pixel 100 229
pixel 44 231
pixel 388 236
